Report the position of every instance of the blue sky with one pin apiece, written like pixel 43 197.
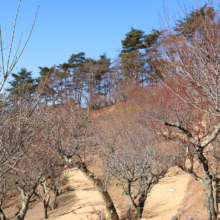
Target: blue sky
pixel 72 26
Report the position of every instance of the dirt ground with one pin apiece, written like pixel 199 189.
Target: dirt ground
pixel 80 199
pixel 166 198
pixel 178 194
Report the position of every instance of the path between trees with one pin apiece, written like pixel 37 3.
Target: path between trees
pixel 162 203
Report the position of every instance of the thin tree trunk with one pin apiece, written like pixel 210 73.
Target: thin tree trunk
pixel 215 196
pixel 26 199
pixel 142 201
pixel 123 76
pixel 135 72
pixel 55 191
pixel 113 215
pixel 207 179
pixel 45 200
pixel 139 209
pixel 2 215
pixel 45 206
pixel 24 208
pixel 101 188
pixel 142 80
pixel 45 209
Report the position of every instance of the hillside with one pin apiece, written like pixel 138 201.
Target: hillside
pixel 79 202
pixel 178 194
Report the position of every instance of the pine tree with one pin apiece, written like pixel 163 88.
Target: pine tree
pixel 76 62
pixel 103 76
pixel 22 85
pixel 191 23
pixel 64 82
pixel 89 70
pixel 152 42
pixel 130 53
pixel 46 84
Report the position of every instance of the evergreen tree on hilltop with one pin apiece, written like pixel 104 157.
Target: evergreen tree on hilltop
pixel 22 85
pixel 193 21
pixel 103 77
pixel 65 86
pixel 133 42
pixel 76 62
pixel 152 42
pixel 90 71
pixel 132 45
pixel 46 84
pixel 72 77
pixel 152 39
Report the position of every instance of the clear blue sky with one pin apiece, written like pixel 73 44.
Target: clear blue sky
pixel 72 26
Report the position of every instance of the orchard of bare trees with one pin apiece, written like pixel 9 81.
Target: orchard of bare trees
pixel 169 117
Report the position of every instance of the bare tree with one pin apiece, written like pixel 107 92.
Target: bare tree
pixel 54 175
pixel 9 67
pixel 137 171
pixel 135 162
pixel 191 132
pixel 188 103
pixel 25 163
pixel 19 125
pixel 12 144
pixel 72 134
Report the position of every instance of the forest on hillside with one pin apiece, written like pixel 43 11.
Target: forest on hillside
pixel 166 86
pixel 103 82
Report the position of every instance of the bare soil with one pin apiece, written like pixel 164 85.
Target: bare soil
pixel 79 199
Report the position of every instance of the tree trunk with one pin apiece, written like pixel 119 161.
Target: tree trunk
pixel 26 199
pixel 123 76
pixel 24 208
pixel 45 205
pixel 140 208
pixel 2 215
pixel 113 215
pixel 215 195
pixel 207 179
pixel 55 191
pixel 142 201
pixel 137 215
pixel 135 72
pixel 142 75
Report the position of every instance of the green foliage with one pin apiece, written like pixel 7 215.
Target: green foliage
pixel 133 42
pixel 46 84
pixel 151 39
pixel 77 60
pixel 123 193
pixel 100 82
pixel 190 24
pixel 22 85
pixel 118 184
pixel 131 62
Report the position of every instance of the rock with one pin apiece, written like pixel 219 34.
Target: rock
pixel 171 190
pixel 190 218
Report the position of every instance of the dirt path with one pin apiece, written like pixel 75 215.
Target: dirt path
pixel 86 199
pixel 166 197
pixel 162 203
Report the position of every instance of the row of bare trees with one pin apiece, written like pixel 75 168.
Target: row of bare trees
pixel 174 123
pixel 184 109
pixel 124 146
pixel 26 165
